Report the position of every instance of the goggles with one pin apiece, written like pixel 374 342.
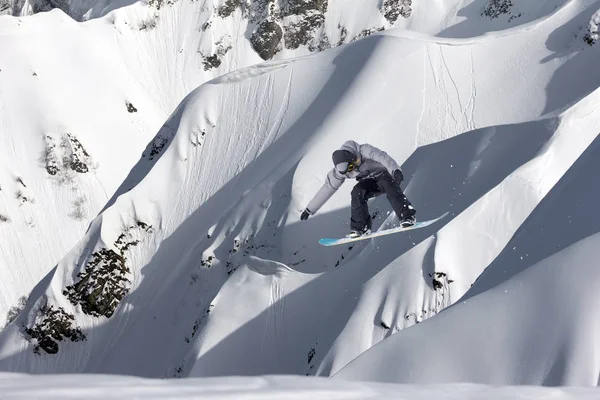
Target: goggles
pixel 344 168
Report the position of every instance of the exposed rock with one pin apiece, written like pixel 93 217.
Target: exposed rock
pixel 298 7
pixel 69 156
pixel 593 34
pixel 438 279
pixel 24 198
pixel 6 7
pixel 105 280
pixel 51 159
pixel 302 32
pixel 149 23
pixel 229 7
pixel 52 326
pixel 392 9
pixel 156 147
pixel 496 8
pixel 266 39
pixel 157 4
pixel 77 157
pixel 311 354
pixel 214 60
pixel 367 32
pixel 590 39
pixel 130 107
pixel 343 35
pixel 322 44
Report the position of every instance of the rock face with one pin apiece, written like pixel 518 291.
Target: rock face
pixel 15 7
pixel 593 33
pixel 272 25
pixel 289 24
pixel 266 39
pixel 106 279
pixel 392 9
pixel 51 326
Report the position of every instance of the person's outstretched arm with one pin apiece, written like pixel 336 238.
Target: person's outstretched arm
pixel 333 182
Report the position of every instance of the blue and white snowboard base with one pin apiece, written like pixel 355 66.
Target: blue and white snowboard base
pixel 421 224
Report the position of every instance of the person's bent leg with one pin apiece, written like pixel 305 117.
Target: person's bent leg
pixel 395 196
pixel 361 219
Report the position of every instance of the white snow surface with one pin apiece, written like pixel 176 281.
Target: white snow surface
pixel 495 121
pixel 19 386
pixel 61 79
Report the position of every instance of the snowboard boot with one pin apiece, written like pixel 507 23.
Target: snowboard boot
pixel 354 233
pixel 408 221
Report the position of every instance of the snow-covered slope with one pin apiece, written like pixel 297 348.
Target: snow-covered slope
pixel 199 265
pixel 69 134
pixel 540 327
pixel 18 386
pixel 532 314
pixel 79 102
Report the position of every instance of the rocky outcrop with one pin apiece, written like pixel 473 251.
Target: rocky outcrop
pixel 15 7
pixel 51 326
pixel 266 39
pixel 290 24
pixel 392 9
pixel 69 155
pixel 593 33
pixel 106 278
pixel 496 8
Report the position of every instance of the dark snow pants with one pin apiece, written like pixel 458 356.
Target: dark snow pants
pixel 368 188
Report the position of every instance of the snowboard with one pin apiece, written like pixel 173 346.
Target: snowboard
pixel 417 225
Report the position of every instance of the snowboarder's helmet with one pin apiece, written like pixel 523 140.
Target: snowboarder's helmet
pixel 342 159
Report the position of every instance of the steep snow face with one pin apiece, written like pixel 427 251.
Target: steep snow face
pixel 199 265
pixel 78 102
pixel 539 327
pixel 529 318
pixel 68 130
pixel 79 126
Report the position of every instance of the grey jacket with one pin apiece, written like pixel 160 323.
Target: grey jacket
pixel 372 162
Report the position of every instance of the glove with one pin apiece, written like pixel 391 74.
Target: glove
pixel 398 176
pixel 305 215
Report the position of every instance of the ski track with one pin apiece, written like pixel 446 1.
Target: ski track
pixel 426 57
pixel 274 324
pixel 442 99
pixel 447 69
pixel 473 97
pixel 279 118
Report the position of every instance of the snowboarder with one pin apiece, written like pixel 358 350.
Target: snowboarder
pixel 377 173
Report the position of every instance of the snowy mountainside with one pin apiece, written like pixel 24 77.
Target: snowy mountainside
pixel 380 295
pixel 531 312
pixel 81 100
pixel 199 265
pixel 67 132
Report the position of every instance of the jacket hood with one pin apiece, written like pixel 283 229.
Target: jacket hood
pixel 353 148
